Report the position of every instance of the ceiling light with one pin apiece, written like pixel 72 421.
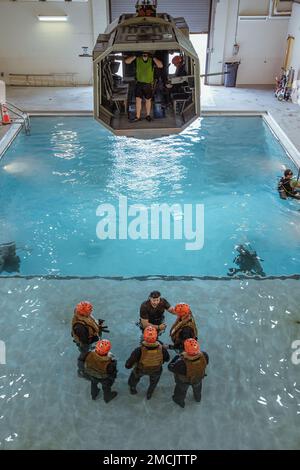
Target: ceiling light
pixel 52 18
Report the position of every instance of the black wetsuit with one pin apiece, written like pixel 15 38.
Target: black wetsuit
pixel 83 334
pixel 9 261
pixel 285 185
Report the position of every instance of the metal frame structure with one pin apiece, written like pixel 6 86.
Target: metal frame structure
pixel 127 35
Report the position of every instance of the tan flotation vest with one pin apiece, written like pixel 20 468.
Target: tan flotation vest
pixel 195 367
pixel 96 365
pixel 151 358
pixel 181 323
pixel 89 322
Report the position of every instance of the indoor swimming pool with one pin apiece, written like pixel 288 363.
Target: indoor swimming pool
pixel 70 165
pixel 51 184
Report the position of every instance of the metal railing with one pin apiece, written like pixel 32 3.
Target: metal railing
pixel 21 114
pixel 42 79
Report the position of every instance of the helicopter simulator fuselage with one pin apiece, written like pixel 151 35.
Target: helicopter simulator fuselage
pixel 175 100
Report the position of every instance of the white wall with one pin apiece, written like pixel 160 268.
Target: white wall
pixel 217 40
pixel 262 44
pixel 100 16
pixel 199 42
pixel 30 46
pixel 294 30
pixel 254 7
pixel 262 49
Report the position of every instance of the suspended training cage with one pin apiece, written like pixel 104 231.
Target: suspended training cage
pixel 176 97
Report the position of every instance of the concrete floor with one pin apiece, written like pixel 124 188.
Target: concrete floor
pixel 214 99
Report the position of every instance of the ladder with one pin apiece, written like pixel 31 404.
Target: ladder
pixel 21 114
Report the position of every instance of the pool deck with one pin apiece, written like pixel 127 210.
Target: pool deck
pixel 215 99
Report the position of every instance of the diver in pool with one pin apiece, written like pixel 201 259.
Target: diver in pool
pixel 9 261
pixel 248 262
pixel 99 366
pixel 85 329
pixel 147 359
pixel 287 185
pixel 183 328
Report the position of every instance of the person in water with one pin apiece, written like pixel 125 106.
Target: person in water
pixel 147 359
pixel 144 82
pixel 287 185
pixel 152 312
pixel 9 261
pixel 86 330
pixel 248 262
pixel 183 328
pixel 100 367
pixel 189 370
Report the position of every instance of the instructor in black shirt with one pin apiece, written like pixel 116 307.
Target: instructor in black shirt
pixel 152 311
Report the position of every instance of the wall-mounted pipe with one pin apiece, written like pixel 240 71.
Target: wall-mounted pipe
pixel 288 52
pixel 236 47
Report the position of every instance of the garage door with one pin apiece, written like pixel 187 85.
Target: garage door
pixel 195 12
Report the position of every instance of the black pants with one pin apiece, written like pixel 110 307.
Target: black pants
pixel 178 347
pixel 144 90
pixel 106 387
pixel 106 383
pixel 181 389
pixel 136 376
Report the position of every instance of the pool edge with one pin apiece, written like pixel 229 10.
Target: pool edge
pixel 154 277
pixel 282 137
pixel 9 137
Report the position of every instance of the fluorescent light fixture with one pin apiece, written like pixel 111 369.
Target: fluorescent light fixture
pixel 253 18
pixel 53 18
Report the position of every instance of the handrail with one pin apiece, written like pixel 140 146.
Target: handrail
pixel 21 114
pixel 14 106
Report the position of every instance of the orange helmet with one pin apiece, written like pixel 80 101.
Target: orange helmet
pixel 84 308
pixel 103 347
pixel 150 334
pixel 182 309
pixel 191 347
pixel 177 60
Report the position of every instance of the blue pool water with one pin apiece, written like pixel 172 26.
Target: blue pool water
pixel 52 182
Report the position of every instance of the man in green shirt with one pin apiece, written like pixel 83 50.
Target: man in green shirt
pixel 144 82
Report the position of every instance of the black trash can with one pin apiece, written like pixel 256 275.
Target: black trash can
pixel 230 77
